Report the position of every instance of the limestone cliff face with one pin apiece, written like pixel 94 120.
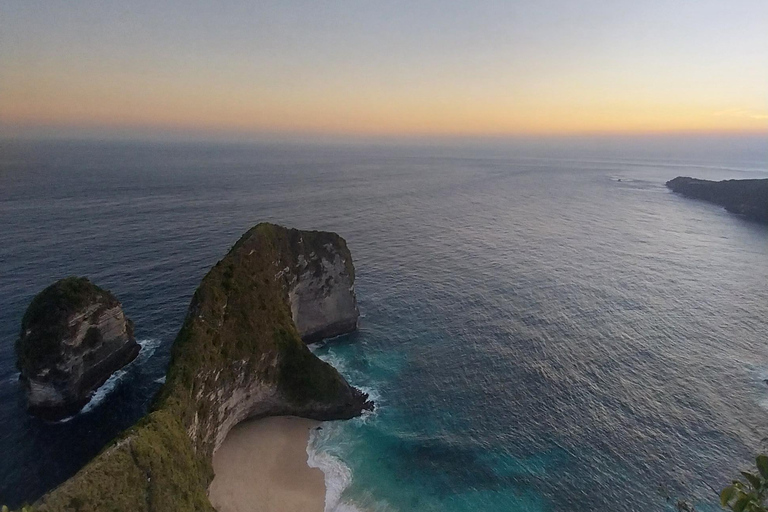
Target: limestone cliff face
pixel 239 354
pixel 321 288
pixel 273 280
pixel 74 336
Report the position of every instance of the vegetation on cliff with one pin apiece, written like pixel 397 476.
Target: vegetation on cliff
pixel 238 336
pixel 74 336
pixel 743 197
pixel 45 321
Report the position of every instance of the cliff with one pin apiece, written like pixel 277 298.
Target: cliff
pixel 744 197
pixel 238 354
pixel 74 335
pixel 321 287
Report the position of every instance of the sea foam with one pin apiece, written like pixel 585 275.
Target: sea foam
pixel 338 475
pixel 14 378
pixel 148 347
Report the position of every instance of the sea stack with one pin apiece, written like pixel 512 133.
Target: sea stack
pixel 74 336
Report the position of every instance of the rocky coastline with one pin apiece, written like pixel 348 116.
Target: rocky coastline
pixel 240 354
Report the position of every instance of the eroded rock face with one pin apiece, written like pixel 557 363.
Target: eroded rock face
pixel 272 271
pixel 74 336
pixel 322 292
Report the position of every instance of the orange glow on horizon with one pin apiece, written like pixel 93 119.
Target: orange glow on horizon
pixel 577 102
pixel 417 120
pixel 487 68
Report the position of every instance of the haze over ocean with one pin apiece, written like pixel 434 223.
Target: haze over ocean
pixel 545 326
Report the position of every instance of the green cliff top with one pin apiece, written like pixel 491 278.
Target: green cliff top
pixel 44 323
pixel 238 331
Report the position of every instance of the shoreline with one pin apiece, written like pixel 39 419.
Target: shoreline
pixel 262 466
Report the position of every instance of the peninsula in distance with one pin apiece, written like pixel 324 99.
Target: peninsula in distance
pixel 743 197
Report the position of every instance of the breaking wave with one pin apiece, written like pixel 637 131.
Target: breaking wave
pixel 148 347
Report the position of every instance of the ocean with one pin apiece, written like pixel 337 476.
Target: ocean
pixel 544 326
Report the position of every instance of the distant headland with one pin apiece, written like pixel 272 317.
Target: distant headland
pixel 744 197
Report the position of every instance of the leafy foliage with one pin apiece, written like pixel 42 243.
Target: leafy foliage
pixel 749 494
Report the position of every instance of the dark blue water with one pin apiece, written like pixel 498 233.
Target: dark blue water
pixel 545 326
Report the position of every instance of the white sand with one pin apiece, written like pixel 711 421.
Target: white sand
pixel 262 467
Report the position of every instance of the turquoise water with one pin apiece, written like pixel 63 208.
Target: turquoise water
pixel 566 343
pixel 545 327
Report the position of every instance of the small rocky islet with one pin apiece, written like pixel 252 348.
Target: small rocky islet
pixel 743 197
pixel 74 336
pixel 241 353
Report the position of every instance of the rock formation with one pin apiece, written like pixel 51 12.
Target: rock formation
pixel 744 197
pixel 321 288
pixel 74 336
pixel 238 355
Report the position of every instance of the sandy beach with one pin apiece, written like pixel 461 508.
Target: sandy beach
pixel 262 467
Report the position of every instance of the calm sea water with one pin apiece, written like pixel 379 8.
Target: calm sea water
pixel 545 327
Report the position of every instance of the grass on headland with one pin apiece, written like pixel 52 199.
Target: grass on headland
pixel 238 330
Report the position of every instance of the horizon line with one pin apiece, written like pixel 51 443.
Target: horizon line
pixel 160 134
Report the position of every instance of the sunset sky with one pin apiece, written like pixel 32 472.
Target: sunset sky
pixel 479 67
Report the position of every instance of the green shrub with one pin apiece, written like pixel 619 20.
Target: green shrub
pixel 749 494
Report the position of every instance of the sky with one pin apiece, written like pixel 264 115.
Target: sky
pixel 417 67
